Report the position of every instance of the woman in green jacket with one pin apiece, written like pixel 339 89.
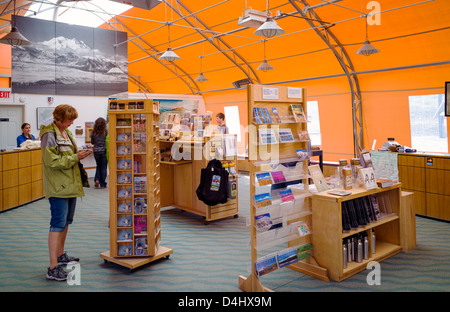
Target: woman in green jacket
pixel 62 184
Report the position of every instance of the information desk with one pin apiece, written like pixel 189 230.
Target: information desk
pixel 428 176
pixel 180 177
pixel 20 177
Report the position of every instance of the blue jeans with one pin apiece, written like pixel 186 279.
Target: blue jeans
pixel 102 165
pixel 62 212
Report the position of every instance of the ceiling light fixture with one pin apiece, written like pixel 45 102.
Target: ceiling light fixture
pixel 14 37
pixel 264 66
pixel 367 48
pixel 169 55
pixel 270 28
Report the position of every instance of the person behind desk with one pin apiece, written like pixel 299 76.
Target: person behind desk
pixel 220 118
pixel 26 134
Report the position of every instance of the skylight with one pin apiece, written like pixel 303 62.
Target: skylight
pixel 84 13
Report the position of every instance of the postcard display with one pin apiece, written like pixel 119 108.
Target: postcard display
pixel 134 177
pixel 280 219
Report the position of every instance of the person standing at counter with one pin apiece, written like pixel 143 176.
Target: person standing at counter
pixel 62 184
pixel 26 134
pixel 220 118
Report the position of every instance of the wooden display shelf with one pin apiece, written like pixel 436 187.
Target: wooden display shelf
pixel 135 262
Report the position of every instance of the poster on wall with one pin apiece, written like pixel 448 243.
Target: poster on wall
pixel 67 59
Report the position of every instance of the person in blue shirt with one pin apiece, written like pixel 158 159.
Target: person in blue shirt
pixel 26 134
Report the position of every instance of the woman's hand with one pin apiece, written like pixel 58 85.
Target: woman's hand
pixel 83 154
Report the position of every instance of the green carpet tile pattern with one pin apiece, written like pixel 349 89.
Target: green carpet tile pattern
pixel 206 258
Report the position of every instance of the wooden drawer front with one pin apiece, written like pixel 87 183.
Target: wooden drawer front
pixel 10 161
pixel 438 181
pixel 412 178
pixel 10 198
pixel 24 175
pixel 439 163
pixel 419 202
pixel 438 206
pixel 37 190
pixel 24 159
pixel 1 163
pixel 409 160
pixel 24 193
pixel 1 199
pixel 10 178
pixel 36 173
pixel 36 157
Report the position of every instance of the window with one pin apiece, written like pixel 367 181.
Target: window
pixel 232 121
pixel 312 109
pixel 428 123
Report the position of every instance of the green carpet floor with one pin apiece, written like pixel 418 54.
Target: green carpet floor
pixel 206 258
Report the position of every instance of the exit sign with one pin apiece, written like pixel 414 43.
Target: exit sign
pixel 4 94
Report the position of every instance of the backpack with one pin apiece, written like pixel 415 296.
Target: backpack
pixel 213 187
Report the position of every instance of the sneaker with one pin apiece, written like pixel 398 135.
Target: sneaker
pixel 97 184
pixel 57 273
pixel 65 259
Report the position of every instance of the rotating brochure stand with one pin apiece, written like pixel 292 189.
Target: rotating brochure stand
pixel 280 218
pixel 134 177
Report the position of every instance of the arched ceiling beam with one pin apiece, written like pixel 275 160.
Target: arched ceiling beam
pixel 344 60
pixel 192 85
pixel 220 40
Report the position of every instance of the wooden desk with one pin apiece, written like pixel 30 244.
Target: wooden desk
pixel 20 177
pixel 180 179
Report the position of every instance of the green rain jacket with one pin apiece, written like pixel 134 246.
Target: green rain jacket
pixel 61 173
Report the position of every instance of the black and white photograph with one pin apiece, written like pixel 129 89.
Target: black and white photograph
pixel 66 59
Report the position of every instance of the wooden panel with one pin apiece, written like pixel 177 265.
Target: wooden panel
pixel 24 159
pixel 25 193
pixel 37 190
pixel 1 199
pixel 24 175
pixel 166 185
pixel 412 178
pixel 438 181
pixel 36 157
pixel 36 173
pixel 438 206
pixel 408 222
pixel 183 194
pixel 10 197
pixel 10 161
pixel 411 160
pixel 1 163
pixel 10 178
pixel 419 202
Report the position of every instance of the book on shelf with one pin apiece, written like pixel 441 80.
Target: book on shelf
pixel 305 251
pixel 276 116
pixel 123 150
pixel 287 195
pixel 285 135
pixel 140 143
pixel 263 178
pixel 257 116
pixel 125 250
pixel 266 265
pixel 123 137
pixel 384 182
pixel 303 229
pixel 267 136
pixel 124 235
pixel 140 224
pixel 263 221
pixel 318 178
pixel 123 164
pixel 140 246
pixel 140 184
pixel 278 176
pixel 367 176
pixel 123 207
pixel 297 111
pixel 267 115
pixel 302 154
pixel 286 257
pixel 140 205
pixel 262 200
pixel 124 221
pixel 124 193
pixel 303 136
pixel 123 178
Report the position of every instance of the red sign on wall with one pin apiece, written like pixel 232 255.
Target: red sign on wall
pixel 4 94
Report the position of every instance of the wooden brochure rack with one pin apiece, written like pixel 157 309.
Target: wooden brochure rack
pixel 135 219
pixel 273 142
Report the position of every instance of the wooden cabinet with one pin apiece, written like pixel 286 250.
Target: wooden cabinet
pixel 20 178
pixel 329 235
pixel 428 176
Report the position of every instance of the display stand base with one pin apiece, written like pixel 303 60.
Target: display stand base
pixel 252 284
pixel 311 268
pixel 135 262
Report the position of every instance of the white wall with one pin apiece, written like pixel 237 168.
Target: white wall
pixel 89 109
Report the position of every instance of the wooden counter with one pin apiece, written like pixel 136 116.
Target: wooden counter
pixel 20 177
pixel 180 179
pixel 428 176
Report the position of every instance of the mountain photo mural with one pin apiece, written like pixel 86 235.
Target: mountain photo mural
pixel 67 59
